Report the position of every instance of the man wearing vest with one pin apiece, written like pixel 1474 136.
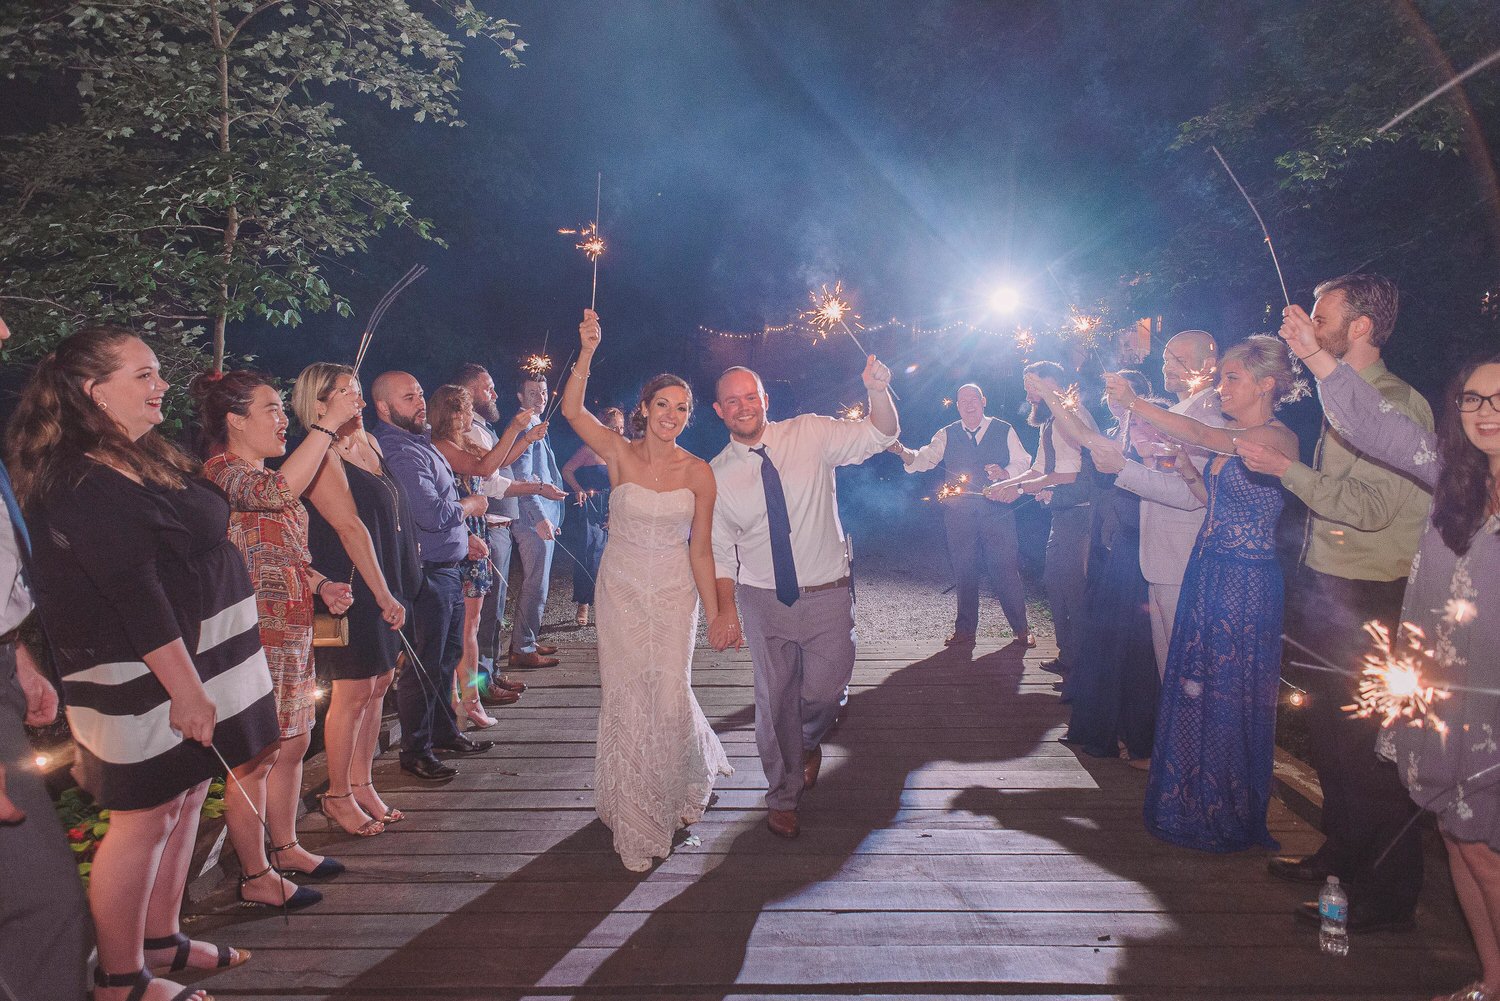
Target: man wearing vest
pixel 972 451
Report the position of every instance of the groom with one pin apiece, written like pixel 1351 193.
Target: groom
pixel 780 550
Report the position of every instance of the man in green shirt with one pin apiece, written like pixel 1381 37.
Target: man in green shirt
pixel 1364 523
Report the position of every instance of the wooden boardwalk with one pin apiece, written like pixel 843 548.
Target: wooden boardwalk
pixel 952 847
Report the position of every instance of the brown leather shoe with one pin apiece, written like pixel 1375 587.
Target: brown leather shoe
pixel 783 823
pixel 508 683
pixel 545 649
pixel 500 697
pixel 812 761
pixel 959 639
pixel 531 660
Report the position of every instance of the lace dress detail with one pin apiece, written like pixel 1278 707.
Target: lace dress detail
pixel 1211 764
pixel 657 756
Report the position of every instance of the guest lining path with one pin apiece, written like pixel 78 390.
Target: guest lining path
pixel 952 847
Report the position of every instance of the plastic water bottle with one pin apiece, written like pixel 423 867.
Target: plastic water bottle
pixel 1333 910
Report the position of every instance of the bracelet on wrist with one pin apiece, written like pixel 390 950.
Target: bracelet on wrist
pixel 318 427
pixel 1311 353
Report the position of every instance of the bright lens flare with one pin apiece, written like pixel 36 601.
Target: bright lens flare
pixel 1005 299
pixel 1392 686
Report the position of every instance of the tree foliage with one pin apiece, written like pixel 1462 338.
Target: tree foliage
pixel 1419 202
pixel 201 179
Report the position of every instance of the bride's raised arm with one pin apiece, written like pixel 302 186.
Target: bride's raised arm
pixel 606 444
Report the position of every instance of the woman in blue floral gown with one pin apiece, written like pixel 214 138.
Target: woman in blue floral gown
pixel 1210 778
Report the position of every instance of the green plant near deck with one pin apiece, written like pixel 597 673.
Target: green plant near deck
pixel 87 824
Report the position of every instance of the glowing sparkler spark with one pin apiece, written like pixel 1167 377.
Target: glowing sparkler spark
pixel 1460 610
pixel 1068 399
pixel 830 309
pixel 948 490
pixel 854 412
pixel 1392 685
pixel 1199 379
pixel 589 240
pixel 536 366
pixel 947 402
pixel 1025 340
pixel 1083 322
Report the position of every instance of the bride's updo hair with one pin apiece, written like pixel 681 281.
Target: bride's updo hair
pixel 1266 357
pixel 648 393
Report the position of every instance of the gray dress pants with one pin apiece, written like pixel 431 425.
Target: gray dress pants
pixel 803 657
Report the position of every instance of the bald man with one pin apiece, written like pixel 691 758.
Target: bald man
pixel 423 693
pixel 1189 363
pixel 975 450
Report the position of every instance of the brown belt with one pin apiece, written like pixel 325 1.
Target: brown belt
pixel 841 582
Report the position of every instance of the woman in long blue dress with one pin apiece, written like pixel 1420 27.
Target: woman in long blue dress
pixel 1210 777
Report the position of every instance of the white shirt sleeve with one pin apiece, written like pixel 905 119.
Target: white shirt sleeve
pixel 1020 459
pixel 848 442
pixel 930 454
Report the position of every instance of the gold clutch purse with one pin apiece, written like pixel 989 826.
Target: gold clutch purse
pixel 330 629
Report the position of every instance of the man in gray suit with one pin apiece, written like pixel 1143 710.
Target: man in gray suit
pixel 1189 362
pixel 534 530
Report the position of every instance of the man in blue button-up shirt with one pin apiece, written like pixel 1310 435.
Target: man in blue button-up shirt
pixel 534 530
pixel 424 692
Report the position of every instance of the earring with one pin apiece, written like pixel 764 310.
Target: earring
pixel 101 404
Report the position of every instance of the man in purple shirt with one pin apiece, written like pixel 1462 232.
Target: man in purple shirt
pixel 423 694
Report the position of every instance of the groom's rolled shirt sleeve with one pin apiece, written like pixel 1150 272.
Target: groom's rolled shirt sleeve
pixel 849 442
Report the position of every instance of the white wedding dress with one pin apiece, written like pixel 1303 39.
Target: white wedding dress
pixel 657 756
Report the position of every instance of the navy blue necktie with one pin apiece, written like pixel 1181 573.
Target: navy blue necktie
pixel 17 523
pixel 780 525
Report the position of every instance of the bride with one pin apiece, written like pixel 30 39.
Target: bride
pixel 657 758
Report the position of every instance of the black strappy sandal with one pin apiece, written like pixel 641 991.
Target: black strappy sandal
pixel 139 981
pixel 228 958
pixel 305 896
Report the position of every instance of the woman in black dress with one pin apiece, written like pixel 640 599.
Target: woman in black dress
pixel 154 630
pixel 359 531
pixel 588 478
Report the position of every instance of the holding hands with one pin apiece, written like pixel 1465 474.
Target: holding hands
pixel 724 631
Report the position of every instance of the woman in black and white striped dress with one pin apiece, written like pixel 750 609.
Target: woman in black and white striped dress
pixel 152 621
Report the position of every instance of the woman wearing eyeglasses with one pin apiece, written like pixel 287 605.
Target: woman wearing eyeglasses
pixel 1448 756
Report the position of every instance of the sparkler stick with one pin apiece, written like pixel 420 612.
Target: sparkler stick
pixel 551 408
pixel 1487 60
pixel 594 254
pixel 378 313
pixel 1267 233
pixel 231 777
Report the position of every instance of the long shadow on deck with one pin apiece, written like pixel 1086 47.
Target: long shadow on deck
pixel 698 941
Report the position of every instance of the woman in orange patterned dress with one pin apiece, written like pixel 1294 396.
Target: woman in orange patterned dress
pixel 244 424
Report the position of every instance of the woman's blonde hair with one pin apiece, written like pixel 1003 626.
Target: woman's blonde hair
pixel 314 385
pixel 57 426
pixel 1266 357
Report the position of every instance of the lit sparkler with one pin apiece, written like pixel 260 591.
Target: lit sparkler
pixel 1025 340
pixel 536 366
pixel 948 490
pixel 1392 685
pixel 1069 399
pixel 830 309
pixel 854 412
pixel 589 240
pixel 1199 379
pixel 1459 610
pixel 947 402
